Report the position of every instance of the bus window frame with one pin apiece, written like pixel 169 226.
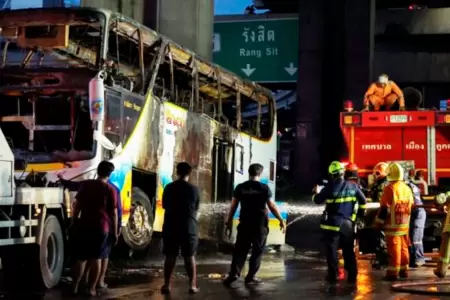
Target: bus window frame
pixel 141 60
pixel 166 56
pixel 117 26
pixel 156 64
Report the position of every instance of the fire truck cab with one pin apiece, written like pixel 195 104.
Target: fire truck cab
pixel 419 136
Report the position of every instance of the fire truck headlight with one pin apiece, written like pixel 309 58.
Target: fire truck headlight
pixel 441 198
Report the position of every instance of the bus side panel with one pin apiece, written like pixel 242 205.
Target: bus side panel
pixel 415 143
pixel 442 152
pixel 373 145
pixel 185 137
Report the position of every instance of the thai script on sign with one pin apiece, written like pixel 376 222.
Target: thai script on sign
pixel 441 147
pixel 177 122
pixel 129 104
pixel 261 35
pixel 414 146
pixel 376 147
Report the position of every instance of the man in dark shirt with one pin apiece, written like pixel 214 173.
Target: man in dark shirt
pixel 254 198
pixel 180 201
pixel 74 186
pixel 96 202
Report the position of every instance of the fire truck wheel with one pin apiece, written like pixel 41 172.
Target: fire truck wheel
pixel 139 230
pixel 51 253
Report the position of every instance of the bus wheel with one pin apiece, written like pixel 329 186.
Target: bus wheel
pixel 138 232
pixel 51 253
pixel 35 266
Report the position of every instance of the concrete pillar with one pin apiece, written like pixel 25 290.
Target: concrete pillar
pixel 336 48
pixel 188 22
pixel 309 93
pixel 334 80
pixel 360 27
pixel 130 8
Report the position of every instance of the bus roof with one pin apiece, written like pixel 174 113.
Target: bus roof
pixel 150 37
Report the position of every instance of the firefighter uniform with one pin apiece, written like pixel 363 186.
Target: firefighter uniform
pixel 394 217
pixel 344 202
pixel 417 227
pixel 376 191
pixel 444 251
pixel 379 171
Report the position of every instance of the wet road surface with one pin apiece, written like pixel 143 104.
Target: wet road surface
pixel 286 276
pixel 292 275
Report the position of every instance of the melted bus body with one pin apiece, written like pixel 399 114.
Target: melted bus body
pixel 163 104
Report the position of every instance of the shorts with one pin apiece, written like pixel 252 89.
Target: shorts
pixel 89 245
pixel 172 244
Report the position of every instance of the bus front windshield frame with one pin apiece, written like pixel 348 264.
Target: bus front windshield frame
pixel 44 89
pixel 85 39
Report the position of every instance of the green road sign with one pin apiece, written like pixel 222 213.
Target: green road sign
pixel 263 50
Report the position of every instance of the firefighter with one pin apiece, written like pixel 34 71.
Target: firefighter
pixel 411 175
pixel 376 191
pixel 421 183
pixel 379 172
pixel 417 227
pixel 383 93
pixel 444 251
pixel 394 217
pixel 338 220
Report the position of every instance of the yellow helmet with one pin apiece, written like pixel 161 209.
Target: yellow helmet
pixel 394 172
pixel 380 169
pixel 335 168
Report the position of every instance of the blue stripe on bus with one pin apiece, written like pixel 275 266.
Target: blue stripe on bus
pixel 120 172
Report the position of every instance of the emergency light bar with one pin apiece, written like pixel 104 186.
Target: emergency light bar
pixel 351 119
pixel 392 118
pixel 443 118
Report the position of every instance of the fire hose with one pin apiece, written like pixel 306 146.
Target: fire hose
pixel 429 287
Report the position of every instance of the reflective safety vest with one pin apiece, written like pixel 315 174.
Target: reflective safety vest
pixel 446 227
pixel 397 201
pixel 344 201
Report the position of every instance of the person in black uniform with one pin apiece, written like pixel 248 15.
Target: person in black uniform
pixel 338 222
pixel 180 201
pixel 254 198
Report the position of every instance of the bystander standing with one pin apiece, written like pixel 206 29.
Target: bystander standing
pixel 181 201
pixel 95 205
pixel 75 186
pixel 254 197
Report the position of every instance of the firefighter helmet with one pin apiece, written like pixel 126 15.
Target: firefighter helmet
pixel 351 167
pixel 351 171
pixel 394 172
pixel 380 169
pixel 335 168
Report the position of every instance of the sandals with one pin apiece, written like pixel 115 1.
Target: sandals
pixel 102 286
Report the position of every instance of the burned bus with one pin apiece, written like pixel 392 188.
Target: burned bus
pixel 161 104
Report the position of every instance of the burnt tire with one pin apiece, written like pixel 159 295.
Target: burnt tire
pixel 139 230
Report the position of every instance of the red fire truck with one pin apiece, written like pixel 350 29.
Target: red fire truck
pixel 421 136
